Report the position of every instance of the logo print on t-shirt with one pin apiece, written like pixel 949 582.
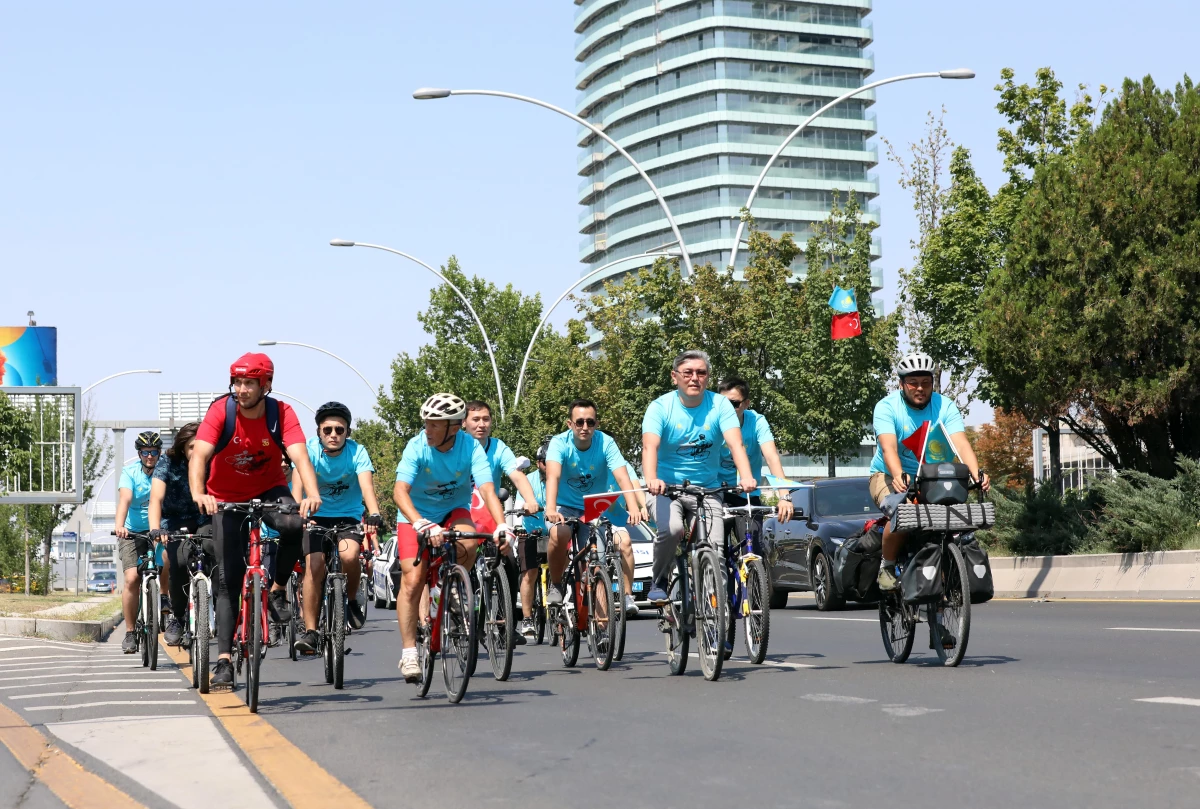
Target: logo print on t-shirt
pixel 246 462
pixel 696 450
pixel 581 482
pixel 336 488
pixel 443 491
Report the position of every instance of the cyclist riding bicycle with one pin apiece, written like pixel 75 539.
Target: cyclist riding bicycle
pixel 908 422
pixel 682 434
pixel 346 479
pixel 172 510
pixel 618 516
pixel 237 456
pixel 582 457
pixel 133 516
pixel 527 553
pixel 432 492
pixel 759 442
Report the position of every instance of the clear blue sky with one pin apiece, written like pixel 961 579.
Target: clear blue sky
pixel 170 174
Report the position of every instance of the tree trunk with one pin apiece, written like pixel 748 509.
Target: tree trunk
pixel 1053 438
pixel 832 466
pixel 47 560
pixel 25 533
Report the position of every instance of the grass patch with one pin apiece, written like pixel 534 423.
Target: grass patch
pixel 23 606
pixel 97 612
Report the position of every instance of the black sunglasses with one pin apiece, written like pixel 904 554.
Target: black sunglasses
pixel 585 422
pixel 737 402
pixel 149 453
pixel 334 428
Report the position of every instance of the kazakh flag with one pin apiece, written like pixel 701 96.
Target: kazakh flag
pixel 843 300
pixel 782 484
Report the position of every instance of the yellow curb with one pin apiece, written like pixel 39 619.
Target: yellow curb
pixel 71 783
pixel 275 757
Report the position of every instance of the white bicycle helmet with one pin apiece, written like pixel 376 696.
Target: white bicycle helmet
pixel 916 363
pixel 443 407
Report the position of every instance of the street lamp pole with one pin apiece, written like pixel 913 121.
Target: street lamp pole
pixel 566 292
pixel 294 399
pixel 487 343
pixel 122 373
pixel 374 391
pixel 426 93
pixel 960 73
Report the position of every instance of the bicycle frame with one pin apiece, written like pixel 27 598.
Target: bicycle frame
pixel 738 555
pixel 571 574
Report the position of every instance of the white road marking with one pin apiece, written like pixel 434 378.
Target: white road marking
pixel 781 664
pixel 908 710
pixel 832 618
pixel 103 691
pixel 115 702
pixel 172 675
pixel 42 657
pixel 1195 703
pixel 1150 629
pixel 89 682
pixel 837 698
pixel 42 648
pixel 17 667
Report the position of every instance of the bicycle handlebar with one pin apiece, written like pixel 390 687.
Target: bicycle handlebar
pixel 259 506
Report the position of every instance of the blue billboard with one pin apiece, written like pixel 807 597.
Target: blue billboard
pixel 28 355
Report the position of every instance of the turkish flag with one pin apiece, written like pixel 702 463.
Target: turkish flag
pixel 916 442
pixel 596 504
pixel 847 325
pixel 480 515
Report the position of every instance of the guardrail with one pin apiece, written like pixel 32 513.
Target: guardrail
pixel 1162 575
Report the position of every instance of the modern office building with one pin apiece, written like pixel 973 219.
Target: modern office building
pixel 700 93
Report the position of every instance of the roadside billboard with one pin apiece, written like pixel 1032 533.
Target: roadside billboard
pixel 28 355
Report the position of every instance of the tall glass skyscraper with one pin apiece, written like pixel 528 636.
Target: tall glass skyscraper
pixel 701 92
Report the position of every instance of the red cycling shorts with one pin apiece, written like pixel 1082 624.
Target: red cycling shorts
pixel 406 535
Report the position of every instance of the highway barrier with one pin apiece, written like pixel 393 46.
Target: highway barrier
pixel 1162 575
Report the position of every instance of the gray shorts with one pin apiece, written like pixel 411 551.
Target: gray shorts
pixel 584 530
pixel 130 548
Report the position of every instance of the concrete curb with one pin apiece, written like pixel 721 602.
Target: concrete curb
pixel 56 629
pixel 1162 575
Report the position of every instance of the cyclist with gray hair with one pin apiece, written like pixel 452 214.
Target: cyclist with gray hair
pixel 683 433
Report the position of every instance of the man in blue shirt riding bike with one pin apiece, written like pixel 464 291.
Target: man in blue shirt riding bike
pixel 133 516
pixel 682 435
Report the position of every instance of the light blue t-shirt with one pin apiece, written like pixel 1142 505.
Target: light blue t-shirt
pixel 584 471
pixel 134 478
pixel 538 521
pixel 893 416
pixel 337 478
pixel 755 433
pixel 500 459
pixel 442 481
pixel 691 437
pixel 617 514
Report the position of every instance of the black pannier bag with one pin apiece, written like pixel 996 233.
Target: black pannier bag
pixel 979 569
pixel 856 565
pixel 944 484
pixel 921 581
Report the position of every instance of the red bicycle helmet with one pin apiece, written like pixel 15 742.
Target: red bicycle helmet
pixel 252 366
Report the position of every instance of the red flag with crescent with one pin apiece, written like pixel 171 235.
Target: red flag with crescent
pixel 479 513
pixel 596 504
pixel 844 326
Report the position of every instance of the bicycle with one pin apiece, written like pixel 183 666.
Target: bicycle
pixel 586 606
pixel 331 626
pixel 202 614
pixel 616 575
pixel 450 629
pixel 250 635
pixel 748 587
pixel 495 628
pixel 692 609
pixel 148 623
pixel 295 594
pixel 539 591
pixel 949 614
pixel 366 579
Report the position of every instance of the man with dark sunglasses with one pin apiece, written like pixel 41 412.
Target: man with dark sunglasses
pixel 582 458
pixel 346 479
pixel 133 516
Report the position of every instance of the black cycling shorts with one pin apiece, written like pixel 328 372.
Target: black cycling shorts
pixel 527 552
pixel 315 542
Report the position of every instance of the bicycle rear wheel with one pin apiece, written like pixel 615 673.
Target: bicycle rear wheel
pixel 950 621
pixel 337 630
pixel 711 603
pixel 424 659
pixel 896 626
pixel 619 614
pixel 293 599
pixel 602 619
pixel 255 610
pixel 458 632
pixel 200 635
pixel 756 611
pixel 539 615
pixel 567 628
pixel 677 636
pixel 501 631
pixel 152 624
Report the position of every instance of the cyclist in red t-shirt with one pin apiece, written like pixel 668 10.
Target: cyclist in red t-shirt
pixel 249 467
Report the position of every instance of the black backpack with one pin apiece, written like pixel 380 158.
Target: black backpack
pixel 274 424
pixel 979 569
pixel 921 581
pixel 856 564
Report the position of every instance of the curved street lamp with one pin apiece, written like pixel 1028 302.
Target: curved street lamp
pixel 566 292
pixel 374 392
pixel 486 341
pixel 121 373
pixel 960 73
pixel 426 93
pixel 294 399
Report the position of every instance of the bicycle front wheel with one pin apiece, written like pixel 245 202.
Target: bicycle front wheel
pixel 539 615
pixel 756 611
pixel 255 611
pixel 293 599
pixel 152 624
pixel 677 634
pixel 619 615
pixel 501 631
pixel 896 626
pixel 950 621
pixel 200 634
pixel 337 630
pixel 458 632
pixel 711 603
pixel 602 627
pixel 424 659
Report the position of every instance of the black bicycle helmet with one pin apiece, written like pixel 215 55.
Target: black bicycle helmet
pixel 544 449
pixel 336 409
pixel 149 438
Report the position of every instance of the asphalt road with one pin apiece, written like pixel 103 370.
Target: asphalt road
pixel 1044 711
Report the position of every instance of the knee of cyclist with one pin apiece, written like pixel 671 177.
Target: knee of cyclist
pixel 412 581
pixel 132 576
pixel 289 526
pixel 315 564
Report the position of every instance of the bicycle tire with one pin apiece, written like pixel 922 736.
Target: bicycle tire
pixel 363 597
pixel 254 641
pixel 897 629
pixel 712 600
pixel 501 629
pixel 539 614
pixel 756 612
pixel 621 617
pixel 337 635
pixel 139 632
pixel 677 636
pixel 294 605
pixel 458 632
pixel 201 630
pixel 956 599
pixel 601 639
pixel 152 625
pixel 324 639
pixel 424 658
pixel 479 616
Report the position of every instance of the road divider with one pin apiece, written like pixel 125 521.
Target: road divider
pixel 1165 575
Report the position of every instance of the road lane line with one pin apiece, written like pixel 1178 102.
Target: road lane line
pixel 16 668
pixel 103 704
pixel 832 618
pixel 87 682
pixel 42 657
pixel 41 648
pixel 781 664
pixel 73 785
pixel 1195 703
pixel 1150 629
pixel 104 691
pixel 148 673
pixel 275 757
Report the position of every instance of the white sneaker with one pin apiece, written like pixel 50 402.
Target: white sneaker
pixel 887 580
pixel 631 608
pixel 410 668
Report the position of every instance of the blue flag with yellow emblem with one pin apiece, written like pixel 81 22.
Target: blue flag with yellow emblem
pixel 843 300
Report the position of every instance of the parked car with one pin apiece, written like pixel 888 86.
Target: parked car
pixel 102 581
pixel 827 511
pixel 381 574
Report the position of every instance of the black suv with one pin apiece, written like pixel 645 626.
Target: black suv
pixel 799 551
